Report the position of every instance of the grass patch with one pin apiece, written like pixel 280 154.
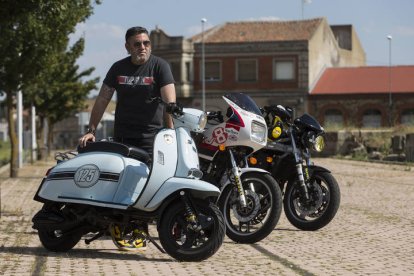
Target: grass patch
pixel 4 153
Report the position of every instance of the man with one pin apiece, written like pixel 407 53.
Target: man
pixel 135 78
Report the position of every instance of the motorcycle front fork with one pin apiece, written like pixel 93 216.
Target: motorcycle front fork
pixel 300 169
pixel 235 170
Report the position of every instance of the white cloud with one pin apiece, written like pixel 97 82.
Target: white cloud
pixel 404 30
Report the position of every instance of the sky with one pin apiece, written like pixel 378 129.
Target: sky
pixel 373 20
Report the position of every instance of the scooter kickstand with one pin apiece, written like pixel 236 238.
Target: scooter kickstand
pixel 97 236
pixel 155 243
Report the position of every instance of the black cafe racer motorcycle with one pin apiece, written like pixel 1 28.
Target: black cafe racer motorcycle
pixel 311 194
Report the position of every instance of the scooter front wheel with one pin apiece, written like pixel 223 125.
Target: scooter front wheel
pixel 183 243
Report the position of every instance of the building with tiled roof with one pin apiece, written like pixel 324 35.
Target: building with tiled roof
pixel 275 62
pixel 370 96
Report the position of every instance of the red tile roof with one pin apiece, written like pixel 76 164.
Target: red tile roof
pixel 365 80
pixel 260 31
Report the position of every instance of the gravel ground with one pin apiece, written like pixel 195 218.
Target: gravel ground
pixel 372 234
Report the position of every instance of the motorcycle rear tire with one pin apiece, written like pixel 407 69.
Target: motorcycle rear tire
pixel 271 219
pixel 329 213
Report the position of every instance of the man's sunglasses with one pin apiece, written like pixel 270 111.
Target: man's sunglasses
pixel 146 43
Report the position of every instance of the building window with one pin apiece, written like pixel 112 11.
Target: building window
pixel 212 70
pixel 407 117
pixel 246 70
pixel 371 118
pixel 284 70
pixel 333 118
pixel 187 71
pixel 176 71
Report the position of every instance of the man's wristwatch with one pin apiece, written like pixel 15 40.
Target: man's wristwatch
pixel 92 131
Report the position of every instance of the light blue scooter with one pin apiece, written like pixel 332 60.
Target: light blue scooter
pixel 109 183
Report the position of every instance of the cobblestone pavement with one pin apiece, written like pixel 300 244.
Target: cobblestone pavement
pixel 372 234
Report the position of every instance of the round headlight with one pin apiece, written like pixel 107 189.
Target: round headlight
pixel 319 144
pixel 202 121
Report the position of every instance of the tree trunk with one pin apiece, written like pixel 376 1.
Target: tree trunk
pixel 49 137
pixel 39 139
pixel 12 135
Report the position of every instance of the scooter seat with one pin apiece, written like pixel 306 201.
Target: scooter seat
pixel 127 151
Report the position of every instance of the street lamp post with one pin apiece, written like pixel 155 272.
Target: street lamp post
pixel 389 37
pixel 203 73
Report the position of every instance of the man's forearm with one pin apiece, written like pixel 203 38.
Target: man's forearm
pixel 101 102
pixel 168 96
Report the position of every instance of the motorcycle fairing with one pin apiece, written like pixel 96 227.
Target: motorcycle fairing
pixel 230 134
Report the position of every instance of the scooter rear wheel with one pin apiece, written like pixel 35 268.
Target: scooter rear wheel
pixel 55 239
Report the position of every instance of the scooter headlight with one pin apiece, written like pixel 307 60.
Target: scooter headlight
pixel 258 132
pixel 202 121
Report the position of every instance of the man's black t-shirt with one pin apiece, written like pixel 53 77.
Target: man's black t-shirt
pixel 134 84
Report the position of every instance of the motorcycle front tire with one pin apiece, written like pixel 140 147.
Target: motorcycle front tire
pixel 271 219
pixel 300 221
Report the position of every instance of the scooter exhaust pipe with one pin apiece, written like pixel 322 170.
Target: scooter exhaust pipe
pixel 51 221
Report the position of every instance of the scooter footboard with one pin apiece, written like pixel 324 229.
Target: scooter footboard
pixel 198 188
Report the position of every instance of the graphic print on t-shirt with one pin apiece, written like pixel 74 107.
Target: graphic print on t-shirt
pixel 135 80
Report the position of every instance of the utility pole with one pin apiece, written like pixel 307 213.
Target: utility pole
pixel 203 71
pixel 390 119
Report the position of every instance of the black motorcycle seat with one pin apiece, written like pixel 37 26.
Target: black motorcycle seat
pixel 114 147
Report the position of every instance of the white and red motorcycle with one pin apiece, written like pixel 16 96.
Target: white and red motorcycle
pixel 250 200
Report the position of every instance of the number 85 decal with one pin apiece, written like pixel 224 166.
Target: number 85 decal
pixel 219 135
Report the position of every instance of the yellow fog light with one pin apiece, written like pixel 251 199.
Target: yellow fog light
pixel 269 159
pixel 276 132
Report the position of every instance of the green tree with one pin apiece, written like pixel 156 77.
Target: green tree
pixel 32 32
pixel 62 91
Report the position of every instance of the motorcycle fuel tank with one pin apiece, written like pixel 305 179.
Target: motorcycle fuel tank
pixel 98 178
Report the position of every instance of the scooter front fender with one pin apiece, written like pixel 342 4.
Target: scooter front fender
pixel 197 188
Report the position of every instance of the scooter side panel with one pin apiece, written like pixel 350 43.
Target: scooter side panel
pixel 132 182
pixel 197 187
pixel 94 178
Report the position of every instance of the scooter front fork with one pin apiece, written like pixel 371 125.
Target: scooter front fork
pixel 190 215
pixel 237 180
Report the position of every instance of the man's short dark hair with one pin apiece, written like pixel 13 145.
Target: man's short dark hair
pixel 134 31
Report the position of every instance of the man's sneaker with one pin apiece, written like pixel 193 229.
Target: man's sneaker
pixel 128 240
